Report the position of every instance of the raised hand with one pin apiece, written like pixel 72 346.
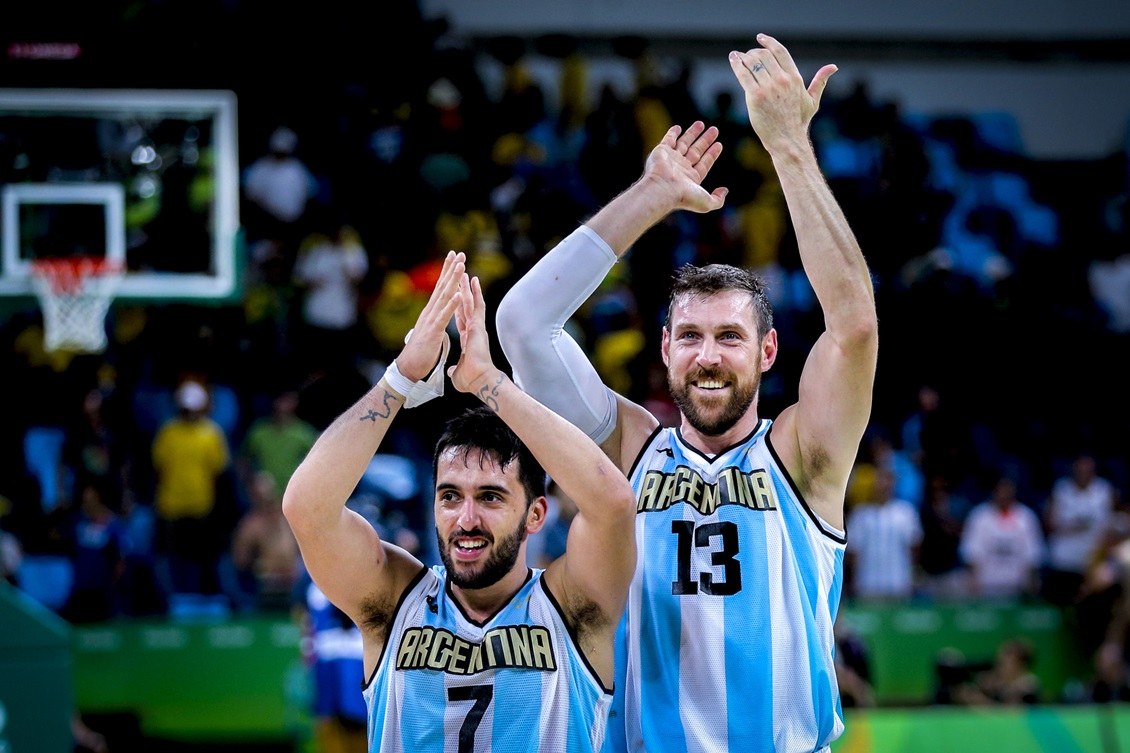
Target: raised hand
pixel 679 164
pixel 475 370
pixel 423 349
pixel 780 106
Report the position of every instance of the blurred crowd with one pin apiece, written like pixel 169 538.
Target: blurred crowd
pixel 146 480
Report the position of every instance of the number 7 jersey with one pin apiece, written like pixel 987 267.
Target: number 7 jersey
pixel 515 683
pixel 727 643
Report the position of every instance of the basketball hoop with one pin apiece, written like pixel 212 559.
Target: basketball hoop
pixel 75 294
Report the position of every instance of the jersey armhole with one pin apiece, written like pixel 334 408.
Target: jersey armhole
pixel 826 528
pixel 573 638
pixel 412 585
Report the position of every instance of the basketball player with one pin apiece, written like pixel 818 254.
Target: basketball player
pixel 727 641
pixel 483 652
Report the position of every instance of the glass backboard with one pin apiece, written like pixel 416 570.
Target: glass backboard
pixel 148 178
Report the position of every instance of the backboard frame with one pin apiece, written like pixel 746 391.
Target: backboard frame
pixel 217 105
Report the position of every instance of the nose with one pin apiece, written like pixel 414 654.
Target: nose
pixel 468 518
pixel 708 353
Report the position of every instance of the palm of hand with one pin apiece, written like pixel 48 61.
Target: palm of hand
pixel 470 367
pixel 673 170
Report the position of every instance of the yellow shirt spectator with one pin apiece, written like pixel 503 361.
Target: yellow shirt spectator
pixel 188 455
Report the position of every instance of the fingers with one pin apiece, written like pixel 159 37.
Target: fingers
pixel 670 139
pixel 465 308
pixel 684 142
pixel 778 53
pixel 819 81
pixel 740 65
pixel 702 167
pixel 453 266
pixel 702 145
pixel 480 305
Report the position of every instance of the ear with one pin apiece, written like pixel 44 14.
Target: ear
pixel 665 349
pixel 769 350
pixel 536 515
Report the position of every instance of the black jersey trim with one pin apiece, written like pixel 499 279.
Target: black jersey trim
pixel 503 605
pixel 643 449
pixel 683 441
pixel 572 635
pixel 388 628
pixel 820 524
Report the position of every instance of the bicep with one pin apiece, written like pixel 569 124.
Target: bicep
pixel 833 407
pixel 349 562
pixel 599 561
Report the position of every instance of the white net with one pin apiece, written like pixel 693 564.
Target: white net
pixel 75 296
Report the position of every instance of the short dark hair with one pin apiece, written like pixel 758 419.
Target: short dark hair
pixel 479 428
pixel 716 278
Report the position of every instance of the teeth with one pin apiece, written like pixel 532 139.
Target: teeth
pixel 712 384
pixel 471 544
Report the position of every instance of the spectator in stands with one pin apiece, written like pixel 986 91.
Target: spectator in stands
pixel 276 444
pixel 1111 683
pixel 1102 615
pixel 1003 544
pixel 942 516
pixel 936 436
pixel 330 267
pixel 99 538
pixel 1078 512
pixel 142 593
pixel 92 452
pixel 1009 682
pixel 264 552
pixel 277 188
pixel 909 484
pixel 885 536
pixel 190 452
pixel 853 667
pixel 335 654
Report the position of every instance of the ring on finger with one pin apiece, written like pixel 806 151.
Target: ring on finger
pixel 757 68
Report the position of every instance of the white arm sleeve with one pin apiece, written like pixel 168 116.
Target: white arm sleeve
pixel 548 364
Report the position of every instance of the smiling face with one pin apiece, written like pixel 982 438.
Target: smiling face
pixel 483 515
pixel 715 358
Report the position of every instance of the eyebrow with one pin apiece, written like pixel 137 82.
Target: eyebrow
pixel 724 326
pixel 486 488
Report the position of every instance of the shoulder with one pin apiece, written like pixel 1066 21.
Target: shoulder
pixel 635 425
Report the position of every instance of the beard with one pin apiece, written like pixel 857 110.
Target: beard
pixel 498 564
pixel 741 397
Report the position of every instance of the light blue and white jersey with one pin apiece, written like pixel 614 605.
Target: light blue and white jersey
pixel 516 683
pixel 727 642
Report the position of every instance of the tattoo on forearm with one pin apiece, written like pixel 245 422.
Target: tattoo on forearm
pixel 373 415
pixel 489 394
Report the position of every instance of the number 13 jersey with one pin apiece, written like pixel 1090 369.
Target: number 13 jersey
pixel 726 643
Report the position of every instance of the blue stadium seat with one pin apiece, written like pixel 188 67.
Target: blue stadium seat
pixel 46 578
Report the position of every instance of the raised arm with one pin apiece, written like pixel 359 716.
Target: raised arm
pixel 547 362
pixel 601 555
pixel 819 436
pixel 359 573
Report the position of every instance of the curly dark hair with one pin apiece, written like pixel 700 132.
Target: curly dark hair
pixel 479 428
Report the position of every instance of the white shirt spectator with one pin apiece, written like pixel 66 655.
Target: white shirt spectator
pixel 883 537
pixel 330 269
pixel 1003 544
pixel 279 182
pixel 1079 511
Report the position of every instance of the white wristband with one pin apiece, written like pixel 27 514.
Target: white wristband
pixel 418 393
